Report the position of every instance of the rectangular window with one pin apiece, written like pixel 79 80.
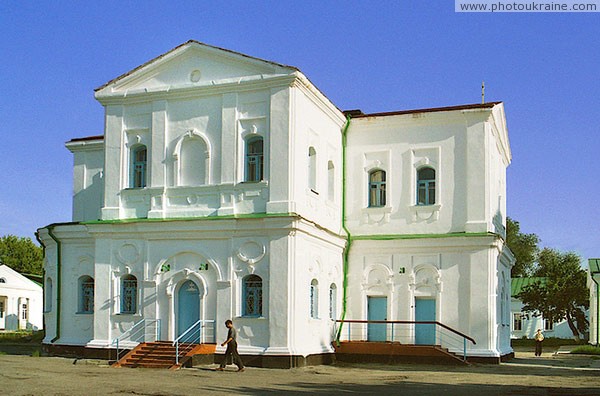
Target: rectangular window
pixel 548 325
pixel 1 309
pixel 24 312
pixel 517 321
pixel 129 301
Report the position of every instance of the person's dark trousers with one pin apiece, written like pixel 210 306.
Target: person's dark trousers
pixel 538 348
pixel 232 351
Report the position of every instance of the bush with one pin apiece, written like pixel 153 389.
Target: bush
pixel 586 350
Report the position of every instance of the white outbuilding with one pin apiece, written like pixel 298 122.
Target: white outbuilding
pixel 226 186
pixel 21 301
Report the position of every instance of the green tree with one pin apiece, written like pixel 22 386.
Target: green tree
pixel 21 254
pixel 523 246
pixel 564 293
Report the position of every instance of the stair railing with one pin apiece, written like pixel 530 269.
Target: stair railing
pixel 144 330
pixel 405 332
pixel 202 331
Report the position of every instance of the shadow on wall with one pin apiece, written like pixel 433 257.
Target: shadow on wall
pixel 11 322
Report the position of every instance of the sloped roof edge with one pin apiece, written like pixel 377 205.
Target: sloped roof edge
pixel 354 113
pixel 195 42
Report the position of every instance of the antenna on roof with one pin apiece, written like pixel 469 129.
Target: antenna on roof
pixel 483 92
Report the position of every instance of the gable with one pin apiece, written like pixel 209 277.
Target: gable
pixel 14 280
pixel 192 64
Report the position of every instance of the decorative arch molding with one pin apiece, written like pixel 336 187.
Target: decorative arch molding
pixel 425 280
pixel 180 277
pixel 315 266
pixel 165 266
pixel 178 163
pixel 377 277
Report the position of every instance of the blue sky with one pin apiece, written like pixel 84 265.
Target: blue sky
pixel 376 56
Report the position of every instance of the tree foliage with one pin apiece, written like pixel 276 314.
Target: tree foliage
pixel 563 294
pixel 523 246
pixel 21 254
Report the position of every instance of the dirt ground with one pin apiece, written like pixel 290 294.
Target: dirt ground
pixel 524 375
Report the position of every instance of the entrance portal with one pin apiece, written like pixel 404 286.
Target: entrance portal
pixel 377 310
pixel 188 311
pixel 424 311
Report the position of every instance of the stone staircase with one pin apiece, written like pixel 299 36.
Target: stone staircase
pixel 394 352
pixel 161 355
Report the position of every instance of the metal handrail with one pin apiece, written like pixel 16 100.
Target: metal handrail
pixel 141 326
pixel 188 337
pixel 444 338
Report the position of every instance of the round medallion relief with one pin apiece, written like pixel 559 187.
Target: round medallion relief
pixel 128 253
pixel 251 252
pixel 195 76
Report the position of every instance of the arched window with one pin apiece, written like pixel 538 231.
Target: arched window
pixel 377 188
pixel 252 292
pixel 48 295
pixel 254 159
pixel 86 294
pixel 193 159
pixel 2 280
pixel 333 301
pixel 426 186
pixel 314 299
pixel 330 181
pixel 129 294
pixel 312 169
pixel 139 164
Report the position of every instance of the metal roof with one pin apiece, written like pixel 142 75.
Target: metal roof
pixel 517 284
pixel 594 265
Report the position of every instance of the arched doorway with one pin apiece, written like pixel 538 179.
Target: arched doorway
pixel 188 307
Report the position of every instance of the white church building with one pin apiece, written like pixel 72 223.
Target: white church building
pixel 226 186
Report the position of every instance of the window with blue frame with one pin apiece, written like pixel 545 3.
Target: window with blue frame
pixel 426 186
pixel 254 159
pixel 139 165
pixel 86 294
pixel 377 195
pixel 129 294
pixel 252 292
pixel 314 299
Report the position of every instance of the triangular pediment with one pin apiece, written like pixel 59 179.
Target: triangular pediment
pixel 14 280
pixel 192 64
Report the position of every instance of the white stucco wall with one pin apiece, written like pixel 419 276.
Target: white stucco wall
pixel 203 102
pixel 458 273
pixel 22 301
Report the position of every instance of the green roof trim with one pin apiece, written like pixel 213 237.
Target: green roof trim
pixel 594 265
pixel 390 237
pixel 517 284
pixel 169 219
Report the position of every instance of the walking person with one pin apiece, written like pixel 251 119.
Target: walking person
pixel 539 337
pixel 232 351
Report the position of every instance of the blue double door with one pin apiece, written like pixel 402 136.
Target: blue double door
pixel 425 312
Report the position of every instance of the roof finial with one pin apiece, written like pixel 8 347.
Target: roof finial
pixel 483 92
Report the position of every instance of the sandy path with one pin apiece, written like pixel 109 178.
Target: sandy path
pixel 24 375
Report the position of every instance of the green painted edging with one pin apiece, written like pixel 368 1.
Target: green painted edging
pixel 171 219
pixel 58 281
pixel 349 243
pixel 390 237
